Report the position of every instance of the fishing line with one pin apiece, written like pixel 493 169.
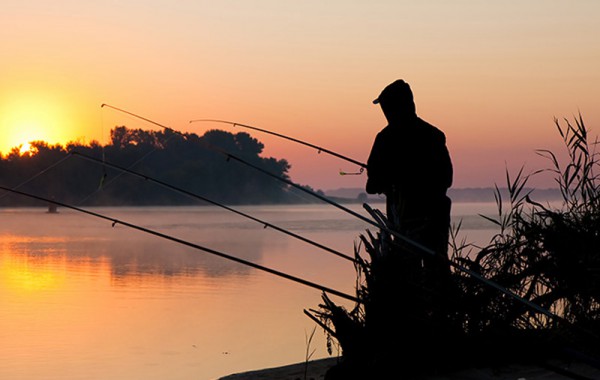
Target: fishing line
pixel 115 221
pixel 104 174
pixel 62 160
pixel 200 197
pixel 416 245
pixel 103 182
pixel 318 148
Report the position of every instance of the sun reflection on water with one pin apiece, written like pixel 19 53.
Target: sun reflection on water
pixel 33 271
pixel 82 299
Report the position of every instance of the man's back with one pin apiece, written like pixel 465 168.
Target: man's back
pixel 412 158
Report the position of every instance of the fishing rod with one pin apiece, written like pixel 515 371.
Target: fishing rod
pixel 142 118
pixel 419 247
pixel 230 156
pixel 215 203
pixel 318 148
pixel 37 175
pixel 415 245
pixel 211 251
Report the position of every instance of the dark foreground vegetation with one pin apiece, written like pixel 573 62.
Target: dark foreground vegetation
pixel 408 324
pixel 187 161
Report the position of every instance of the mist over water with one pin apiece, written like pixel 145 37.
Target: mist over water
pixel 81 298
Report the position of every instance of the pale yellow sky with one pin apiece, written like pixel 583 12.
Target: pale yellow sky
pixel 491 75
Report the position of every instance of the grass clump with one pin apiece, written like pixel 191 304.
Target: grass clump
pixel 546 255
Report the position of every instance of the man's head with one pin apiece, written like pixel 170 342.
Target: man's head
pixel 396 101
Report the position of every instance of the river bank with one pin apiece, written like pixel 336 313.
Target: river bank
pixel 315 370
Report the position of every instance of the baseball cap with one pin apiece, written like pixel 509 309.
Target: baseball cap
pixel 398 90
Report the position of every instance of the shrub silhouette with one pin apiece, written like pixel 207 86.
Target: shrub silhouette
pixel 548 255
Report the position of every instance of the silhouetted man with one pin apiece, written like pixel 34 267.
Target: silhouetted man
pixel 410 164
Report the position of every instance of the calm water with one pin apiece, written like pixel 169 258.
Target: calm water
pixel 81 299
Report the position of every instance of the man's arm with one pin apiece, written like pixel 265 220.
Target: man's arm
pixel 376 167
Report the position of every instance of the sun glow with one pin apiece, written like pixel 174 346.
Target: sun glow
pixel 28 117
pixel 24 148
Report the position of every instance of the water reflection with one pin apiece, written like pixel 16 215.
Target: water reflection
pixel 72 241
pixel 25 272
pixel 82 299
pixel 44 241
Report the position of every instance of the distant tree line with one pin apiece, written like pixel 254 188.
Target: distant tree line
pixel 187 161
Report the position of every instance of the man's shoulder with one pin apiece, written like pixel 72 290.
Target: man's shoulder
pixel 419 128
pixel 386 132
pixel 429 126
pixel 431 129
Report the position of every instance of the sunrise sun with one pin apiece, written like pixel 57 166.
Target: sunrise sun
pixel 33 117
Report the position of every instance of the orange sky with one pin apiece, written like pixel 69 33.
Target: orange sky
pixel 492 76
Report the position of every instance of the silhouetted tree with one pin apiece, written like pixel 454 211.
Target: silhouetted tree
pixel 192 162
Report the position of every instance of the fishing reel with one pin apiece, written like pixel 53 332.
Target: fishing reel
pixel 359 172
